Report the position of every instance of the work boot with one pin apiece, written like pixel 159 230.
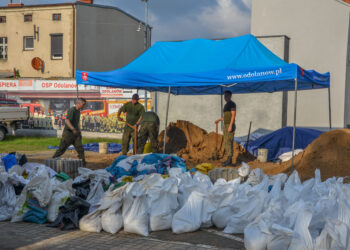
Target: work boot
pixel 228 162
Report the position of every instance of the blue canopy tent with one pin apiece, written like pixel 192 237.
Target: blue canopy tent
pixel 202 67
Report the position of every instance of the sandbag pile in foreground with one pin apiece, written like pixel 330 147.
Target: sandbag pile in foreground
pixel 273 212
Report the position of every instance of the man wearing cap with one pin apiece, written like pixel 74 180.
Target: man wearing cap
pixel 149 129
pixel 133 111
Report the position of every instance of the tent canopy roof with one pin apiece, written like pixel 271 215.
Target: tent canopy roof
pixel 199 66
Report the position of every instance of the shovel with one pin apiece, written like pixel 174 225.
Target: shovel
pixel 216 156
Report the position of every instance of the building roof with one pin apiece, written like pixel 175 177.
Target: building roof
pixel 18 6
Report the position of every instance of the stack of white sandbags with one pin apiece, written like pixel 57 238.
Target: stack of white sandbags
pixel 273 212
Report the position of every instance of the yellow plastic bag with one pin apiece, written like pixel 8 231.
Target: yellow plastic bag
pixel 127 179
pixel 204 167
pixel 147 148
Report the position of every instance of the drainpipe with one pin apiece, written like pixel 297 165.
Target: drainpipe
pixel 74 41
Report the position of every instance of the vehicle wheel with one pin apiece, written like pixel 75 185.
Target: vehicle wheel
pixel 2 134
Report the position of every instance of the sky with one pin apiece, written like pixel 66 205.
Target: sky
pixel 173 20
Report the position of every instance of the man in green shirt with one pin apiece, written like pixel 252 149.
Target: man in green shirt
pixel 229 126
pixel 149 129
pixel 71 132
pixel 133 111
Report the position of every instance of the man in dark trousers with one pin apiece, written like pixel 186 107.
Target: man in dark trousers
pixel 229 126
pixel 71 132
pixel 149 128
pixel 133 110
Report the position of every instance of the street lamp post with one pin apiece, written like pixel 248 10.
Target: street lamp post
pixel 146 41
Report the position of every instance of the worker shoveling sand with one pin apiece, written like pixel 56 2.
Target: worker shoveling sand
pixel 195 145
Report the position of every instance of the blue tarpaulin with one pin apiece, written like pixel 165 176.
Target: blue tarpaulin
pixel 200 66
pixel 160 162
pixel 112 147
pixel 280 141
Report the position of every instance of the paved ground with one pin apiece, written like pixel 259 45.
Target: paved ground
pixel 32 236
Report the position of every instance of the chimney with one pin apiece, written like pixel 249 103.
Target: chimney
pixel 86 1
pixel 11 4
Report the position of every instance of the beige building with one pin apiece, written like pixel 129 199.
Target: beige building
pixel 64 37
pixel 45 32
pixel 45 44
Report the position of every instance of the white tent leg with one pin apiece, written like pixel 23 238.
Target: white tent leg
pixel 166 120
pixel 329 108
pixel 295 118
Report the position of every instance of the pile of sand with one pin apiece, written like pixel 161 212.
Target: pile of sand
pixel 330 153
pixel 195 145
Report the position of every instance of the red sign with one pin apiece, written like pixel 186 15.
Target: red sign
pixel 85 76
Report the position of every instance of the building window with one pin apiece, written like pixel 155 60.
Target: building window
pixel 28 43
pixel 28 18
pixel 56 46
pixel 56 17
pixel 2 19
pixel 3 47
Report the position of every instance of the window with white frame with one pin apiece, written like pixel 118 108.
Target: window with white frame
pixel 3 47
pixel 56 46
pixel 28 43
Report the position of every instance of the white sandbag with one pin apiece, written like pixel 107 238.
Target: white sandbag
pixel 93 175
pixel 163 203
pixel 7 198
pixel 15 179
pixel 16 169
pixel 95 195
pixel 335 235
pixel 112 219
pixel 29 167
pixel 292 188
pixel 39 187
pixel 254 239
pixel 91 222
pixel 249 208
pixel 288 155
pixel 188 218
pixel 127 162
pixel 280 237
pixel 146 167
pixel 255 176
pixel 135 209
pixel 223 193
pixel 209 207
pixel 283 177
pixel 186 186
pixel 203 180
pixel 175 172
pixel 244 170
pixel 61 191
pixel 302 239
pixel 111 197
